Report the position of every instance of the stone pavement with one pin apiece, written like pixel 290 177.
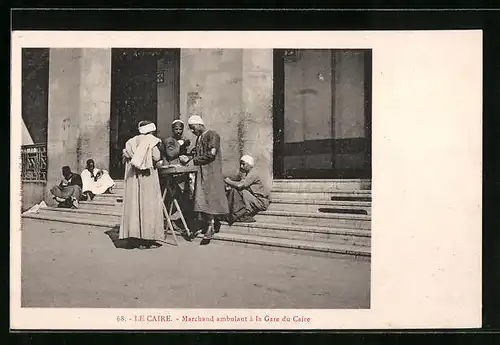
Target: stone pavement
pixel 71 265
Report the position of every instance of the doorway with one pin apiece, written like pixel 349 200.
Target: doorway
pixel 134 95
pixel 322 114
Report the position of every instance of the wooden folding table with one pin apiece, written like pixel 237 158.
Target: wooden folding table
pixel 168 175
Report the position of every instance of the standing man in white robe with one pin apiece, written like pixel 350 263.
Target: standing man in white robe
pixel 142 217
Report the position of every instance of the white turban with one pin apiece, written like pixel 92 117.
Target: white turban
pixel 145 129
pixel 177 121
pixel 247 159
pixel 195 120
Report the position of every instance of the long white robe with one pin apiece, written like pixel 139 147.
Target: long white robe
pixel 103 183
pixel 142 215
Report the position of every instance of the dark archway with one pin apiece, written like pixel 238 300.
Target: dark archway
pixel 133 96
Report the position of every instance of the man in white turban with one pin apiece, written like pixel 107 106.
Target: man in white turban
pixel 246 194
pixel 142 213
pixel 176 145
pixel 209 196
pixel 175 150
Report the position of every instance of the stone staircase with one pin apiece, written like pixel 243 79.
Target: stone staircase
pixel 319 217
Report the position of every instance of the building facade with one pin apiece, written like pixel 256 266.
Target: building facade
pixel 303 114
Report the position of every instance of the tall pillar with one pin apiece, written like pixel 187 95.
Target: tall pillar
pixel 63 118
pixel 257 106
pixel 95 107
pixel 211 87
pixel 79 109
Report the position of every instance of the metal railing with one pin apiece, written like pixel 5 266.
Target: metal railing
pixel 34 162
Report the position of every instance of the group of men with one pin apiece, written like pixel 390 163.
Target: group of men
pixel 75 187
pixel 206 197
pixel 209 197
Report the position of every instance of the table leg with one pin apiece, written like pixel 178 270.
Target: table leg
pixel 182 217
pixel 177 206
pixel 169 222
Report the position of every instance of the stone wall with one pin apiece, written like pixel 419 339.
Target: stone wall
pixel 211 87
pixel 79 109
pixel 32 193
pixel 257 119
pixel 231 89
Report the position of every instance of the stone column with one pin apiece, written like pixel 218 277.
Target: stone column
pixel 257 106
pixel 95 107
pixel 79 109
pixel 64 112
pixel 211 87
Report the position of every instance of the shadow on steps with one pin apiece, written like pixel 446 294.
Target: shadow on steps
pixel 344 211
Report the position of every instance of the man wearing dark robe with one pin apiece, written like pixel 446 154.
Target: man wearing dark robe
pixel 210 198
pixel 246 194
pixel 176 145
pixel 69 191
pixel 175 152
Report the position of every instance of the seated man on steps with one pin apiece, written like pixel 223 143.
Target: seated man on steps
pixel 95 181
pixel 69 191
pixel 246 193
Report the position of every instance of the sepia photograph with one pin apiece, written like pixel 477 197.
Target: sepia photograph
pixel 241 180
pixel 196 178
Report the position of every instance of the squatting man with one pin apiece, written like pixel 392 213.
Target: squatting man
pixel 233 199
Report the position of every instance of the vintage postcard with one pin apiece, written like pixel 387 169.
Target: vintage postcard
pixel 246 180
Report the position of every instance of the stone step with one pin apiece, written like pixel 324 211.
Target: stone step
pixel 358 193
pixel 116 197
pixel 291 203
pixel 282 196
pixel 319 205
pixel 308 186
pixel 83 212
pixel 277 217
pixel 287 207
pixel 328 202
pixel 304 233
pixel 320 196
pixel 72 219
pixel 320 219
pixel 312 185
pixel 270 243
pixel 360 184
pixel 298 246
pixel 100 205
pixel 81 218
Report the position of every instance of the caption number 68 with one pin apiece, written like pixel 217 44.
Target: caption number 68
pixel 120 318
